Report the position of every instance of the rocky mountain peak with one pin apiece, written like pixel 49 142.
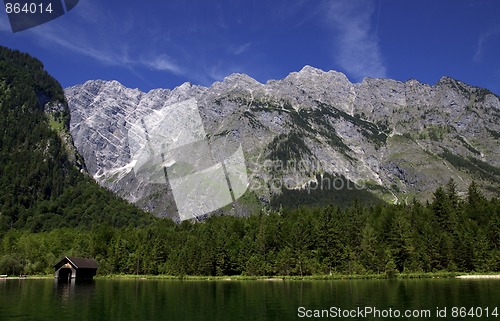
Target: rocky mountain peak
pixel 446 80
pixel 240 79
pixel 309 74
pixel 396 139
pixel 184 92
pixel 312 72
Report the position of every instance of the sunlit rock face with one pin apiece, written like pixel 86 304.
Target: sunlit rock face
pixel 399 140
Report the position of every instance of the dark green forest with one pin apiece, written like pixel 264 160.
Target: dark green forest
pixel 40 188
pixel 49 209
pixel 448 234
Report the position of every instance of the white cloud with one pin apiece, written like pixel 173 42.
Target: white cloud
pixel 357 49
pixel 82 34
pixel 238 50
pixel 53 36
pixel 163 63
pixel 482 43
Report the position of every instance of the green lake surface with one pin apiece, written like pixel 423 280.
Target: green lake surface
pixel 153 300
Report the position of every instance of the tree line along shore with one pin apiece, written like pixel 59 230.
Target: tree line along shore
pixel 451 234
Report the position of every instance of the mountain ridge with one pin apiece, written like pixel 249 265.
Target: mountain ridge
pixel 398 139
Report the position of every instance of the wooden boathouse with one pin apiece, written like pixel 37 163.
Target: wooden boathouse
pixel 75 268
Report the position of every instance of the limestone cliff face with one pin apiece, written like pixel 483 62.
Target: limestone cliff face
pixel 399 140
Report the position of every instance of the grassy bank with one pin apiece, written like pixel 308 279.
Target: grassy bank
pixel 32 277
pixel 399 276
pixel 287 277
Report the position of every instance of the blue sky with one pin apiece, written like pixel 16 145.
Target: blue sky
pixel 161 44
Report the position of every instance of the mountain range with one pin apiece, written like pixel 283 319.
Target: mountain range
pixel 312 138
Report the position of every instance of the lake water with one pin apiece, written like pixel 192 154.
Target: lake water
pixel 144 300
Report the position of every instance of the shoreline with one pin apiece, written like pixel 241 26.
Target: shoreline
pixel 435 275
pixel 400 276
pixel 479 276
pixel 30 277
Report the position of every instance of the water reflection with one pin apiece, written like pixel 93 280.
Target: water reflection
pixel 228 300
pixel 65 289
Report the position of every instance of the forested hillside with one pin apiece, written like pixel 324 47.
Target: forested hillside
pixel 449 234
pixel 41 187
